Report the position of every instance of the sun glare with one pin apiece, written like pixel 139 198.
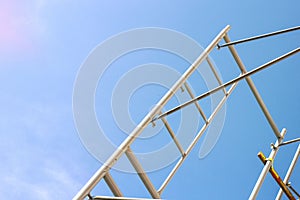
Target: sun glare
pixel 13 31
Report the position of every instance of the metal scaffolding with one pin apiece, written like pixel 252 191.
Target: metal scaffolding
pixel 157 114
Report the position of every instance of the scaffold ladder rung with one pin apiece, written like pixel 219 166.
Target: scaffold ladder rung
pixel 196 102
pixel 112 185
pixel 213 69
pixel 173 136
pixel 141 173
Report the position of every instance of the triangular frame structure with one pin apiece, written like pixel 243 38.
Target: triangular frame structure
pixel 156 114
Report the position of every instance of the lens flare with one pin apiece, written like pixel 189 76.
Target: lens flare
pixel 16 30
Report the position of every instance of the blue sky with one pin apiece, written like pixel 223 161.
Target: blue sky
pixel 42 46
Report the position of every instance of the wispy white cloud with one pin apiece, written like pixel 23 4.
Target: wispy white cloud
pixel 36 162
pixel 54 183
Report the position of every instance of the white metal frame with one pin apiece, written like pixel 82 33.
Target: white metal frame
pixel 289 172
pixel 155 114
